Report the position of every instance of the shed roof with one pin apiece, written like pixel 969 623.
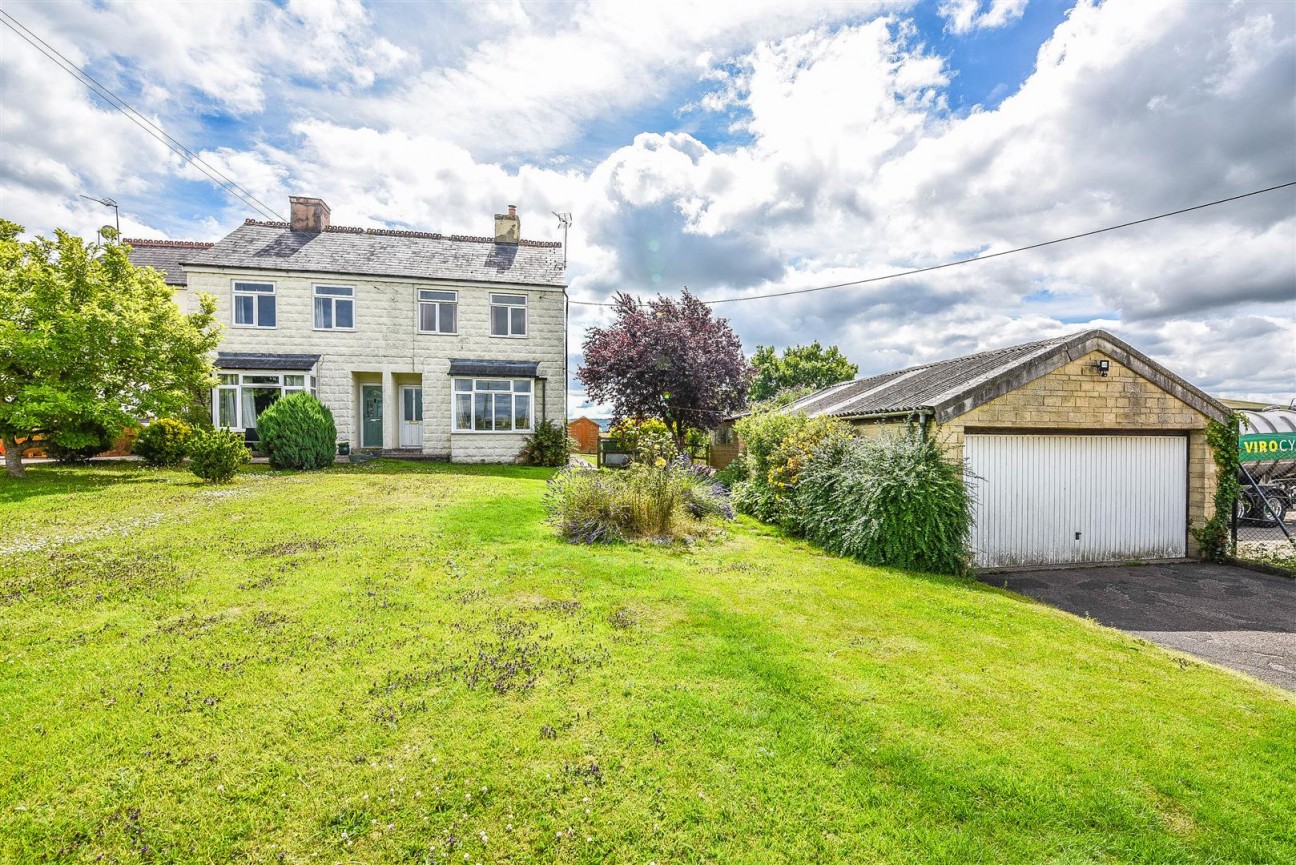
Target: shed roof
pixel 385 252
pixel 949 388
pixel 164 256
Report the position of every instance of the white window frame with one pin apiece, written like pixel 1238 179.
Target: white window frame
pixel 316 297
pixel 307 383
pixel 494 304
pixel 419 303
pixel 235 294
pixel 474 390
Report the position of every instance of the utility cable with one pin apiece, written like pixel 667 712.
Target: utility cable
pixel 210 171
pixel 976 258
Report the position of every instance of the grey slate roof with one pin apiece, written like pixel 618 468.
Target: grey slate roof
pixel 262 360
pixel 503 368
pixel 949 388
pixel 383 252
pixel 165 256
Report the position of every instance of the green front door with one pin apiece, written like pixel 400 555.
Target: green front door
pixel 371 414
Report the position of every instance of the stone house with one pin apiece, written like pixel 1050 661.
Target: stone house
pixel 449 346
pixel 1079 449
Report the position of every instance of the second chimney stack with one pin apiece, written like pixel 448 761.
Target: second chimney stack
pixel 508 228
pixel 308 214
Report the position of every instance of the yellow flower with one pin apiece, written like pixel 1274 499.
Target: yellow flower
pixel 661 462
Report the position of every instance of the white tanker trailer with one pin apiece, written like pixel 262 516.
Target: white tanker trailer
pixel 1267 453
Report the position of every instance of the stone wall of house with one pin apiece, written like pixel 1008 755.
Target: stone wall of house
pixel 386 348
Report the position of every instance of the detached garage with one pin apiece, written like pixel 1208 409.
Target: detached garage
pixel 1082 448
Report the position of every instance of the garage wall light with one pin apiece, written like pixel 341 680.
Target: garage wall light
pixel 1103 366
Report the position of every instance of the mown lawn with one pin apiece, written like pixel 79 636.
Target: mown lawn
pixel 399 662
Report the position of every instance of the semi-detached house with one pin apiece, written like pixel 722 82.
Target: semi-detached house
pixel 448 346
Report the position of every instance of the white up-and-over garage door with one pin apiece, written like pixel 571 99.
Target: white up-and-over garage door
pixel 1058 499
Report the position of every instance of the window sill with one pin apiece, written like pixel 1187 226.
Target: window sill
pixel 334 329
pixel 256 326
pixel 508 336
pixel 437 333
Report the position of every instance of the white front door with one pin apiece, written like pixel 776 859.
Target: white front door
pixel 1063 499
pixel 411 429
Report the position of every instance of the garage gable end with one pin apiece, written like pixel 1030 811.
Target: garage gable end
pixel 970 395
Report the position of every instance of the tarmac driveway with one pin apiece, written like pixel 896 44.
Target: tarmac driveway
pixel 1229 616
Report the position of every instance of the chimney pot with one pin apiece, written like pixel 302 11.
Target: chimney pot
pixel 308 214
pixel 508 228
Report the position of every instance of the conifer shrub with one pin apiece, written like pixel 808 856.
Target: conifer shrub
pixel 549 445
pixel 215 455
pixel 297 432
pixel 895 500
pixel 164 442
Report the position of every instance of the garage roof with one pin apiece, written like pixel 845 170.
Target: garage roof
pixel 949 388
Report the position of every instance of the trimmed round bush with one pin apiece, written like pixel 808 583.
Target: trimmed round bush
pixel 165 442
pixel 215 455
pixel 297 432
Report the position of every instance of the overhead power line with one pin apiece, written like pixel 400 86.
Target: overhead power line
pixel 975 258
pixel 207 169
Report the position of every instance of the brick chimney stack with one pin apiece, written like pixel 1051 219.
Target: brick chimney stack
pixel 308 214
pixel 508 228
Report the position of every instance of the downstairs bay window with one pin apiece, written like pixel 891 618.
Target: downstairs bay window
pixel 492 405
pixel 240 397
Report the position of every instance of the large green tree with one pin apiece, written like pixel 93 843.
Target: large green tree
pixel 801 366
pixel 90 343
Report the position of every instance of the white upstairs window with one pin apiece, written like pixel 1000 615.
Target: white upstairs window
pixel 334 307
pixel 254 304
pixel 508 314
pixel 437 311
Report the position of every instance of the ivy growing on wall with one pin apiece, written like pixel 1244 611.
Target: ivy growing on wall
pixel 1215 537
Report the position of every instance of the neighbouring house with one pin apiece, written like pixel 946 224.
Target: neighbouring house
pixel 165 256
pixel 1080 448
pixel 448 346
pixel 586 433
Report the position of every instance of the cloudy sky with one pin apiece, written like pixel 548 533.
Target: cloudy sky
pixel 735 148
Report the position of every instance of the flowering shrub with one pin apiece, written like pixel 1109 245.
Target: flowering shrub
pixel 777 446
pixel 215 455
pixel 165 442
pixel 645 439
pixel 664 501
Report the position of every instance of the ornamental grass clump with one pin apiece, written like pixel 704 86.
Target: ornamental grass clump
pixel 896 500
pixel 666 501
pixel 298 432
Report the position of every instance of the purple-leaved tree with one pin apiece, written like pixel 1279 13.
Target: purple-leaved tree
pixel 667 359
